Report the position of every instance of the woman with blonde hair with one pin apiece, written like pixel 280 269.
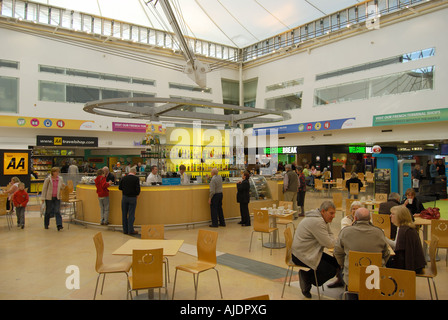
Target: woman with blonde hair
pixel 407 245
pixel 51 194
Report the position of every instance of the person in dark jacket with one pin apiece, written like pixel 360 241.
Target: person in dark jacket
pixel 392 201
pixel 130 187
pixel 353 179
pixel 301 192
pixel 407 246
pixel 243 198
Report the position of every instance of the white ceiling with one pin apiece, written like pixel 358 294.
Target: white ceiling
pixel 232 22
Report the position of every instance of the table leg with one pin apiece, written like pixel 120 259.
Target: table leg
pixel 274 244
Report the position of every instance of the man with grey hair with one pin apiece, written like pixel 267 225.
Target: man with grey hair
pixel 109 175
pixel 312 235
pixel 392 201
pixel 362 236
pixel 215 200
pixel 290 187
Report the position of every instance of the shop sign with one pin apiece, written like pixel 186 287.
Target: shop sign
pixel 411 117
pixel 323 125
pixel 281 150
pixel 15 163
pixel 67 141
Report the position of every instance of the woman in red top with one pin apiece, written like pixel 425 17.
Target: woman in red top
pixel 103 195
pixel 20 199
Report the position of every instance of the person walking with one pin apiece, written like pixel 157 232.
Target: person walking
pixel 51 194
pixel 20 199
pixel 243 198
pixel 130 188
pixel 290 186
pixel 215 200
pixel 301 193
pixel 102 189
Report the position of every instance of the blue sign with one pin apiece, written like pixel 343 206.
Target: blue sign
pixel 307 127
pixel 170 181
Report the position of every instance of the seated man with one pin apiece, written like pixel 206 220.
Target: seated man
pixel 313 234
pixel 362 236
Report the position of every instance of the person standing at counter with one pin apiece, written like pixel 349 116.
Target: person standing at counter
pixel 153 177
pixel 215 200
pixel 184 178
pixel 130 188
pixel 243 198
pixel 290 186
pixel 102 189
pixel 51 193
pixel 108 175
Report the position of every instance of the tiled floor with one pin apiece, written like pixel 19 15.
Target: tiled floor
pixel 33 263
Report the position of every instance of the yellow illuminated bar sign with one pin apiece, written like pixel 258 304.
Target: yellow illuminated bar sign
pixel 15 164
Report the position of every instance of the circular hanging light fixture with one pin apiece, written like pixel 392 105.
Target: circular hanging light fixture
pixel 182 110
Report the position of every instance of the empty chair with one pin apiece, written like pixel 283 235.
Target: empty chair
pixel 431 273
pixel 339 184
pixel 286 220
pixel 103 268
pixel 439 228
pixel 382 221
pixel 348 204
pixel 206 246
pixel 337 200
pixel 4 212
pixel 394 284
pixel 318 184
pixel 356 260
pixel 156 231
pixel 147 271
pixel 261 224
pixel 380 197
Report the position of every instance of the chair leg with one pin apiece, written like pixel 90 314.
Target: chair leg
pixel 174 286
pixel 96 287
pixel 219 282
pixel 435 289
pixel 196 282
pixel 284 282
pixel 102 286
pixel 317 284
pixel 430 290
pixel 251 236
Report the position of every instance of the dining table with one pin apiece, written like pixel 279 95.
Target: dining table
pixel 425 223
pixel 275 213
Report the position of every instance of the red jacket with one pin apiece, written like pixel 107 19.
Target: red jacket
pixel 20 198
pixel 102 186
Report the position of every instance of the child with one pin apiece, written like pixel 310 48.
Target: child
pixel 20 199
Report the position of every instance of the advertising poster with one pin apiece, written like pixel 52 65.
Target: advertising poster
pixel 382 181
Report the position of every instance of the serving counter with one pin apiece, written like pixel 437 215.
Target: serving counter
pixel 167 205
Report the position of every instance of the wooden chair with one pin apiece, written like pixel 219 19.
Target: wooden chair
pixel 348 204
pixel 262 297
pixel 147 271
pixel 291 265
pixel 382 221
pixel 102 268
pixel 337 200
pixel 369 177
pixel 286 220
pixel 394 284
pixel 339 184
pixel 4 212
pixel 431 273
pixel 318 185
pixel 380 197
pixel 439 228
pixel 261 224
pixel 156 231
pixel 361 176
pixel 356 260
pixel 354 189
pixel 206 246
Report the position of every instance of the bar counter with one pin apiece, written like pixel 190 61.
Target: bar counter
pixel 167 205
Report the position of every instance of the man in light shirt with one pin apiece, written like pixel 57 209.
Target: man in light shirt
pixel 215 200
pixel 153 178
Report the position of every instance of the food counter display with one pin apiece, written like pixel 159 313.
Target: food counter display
pixel 167 205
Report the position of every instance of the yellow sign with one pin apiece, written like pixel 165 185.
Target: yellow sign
pixel 58 141
pixel 15 164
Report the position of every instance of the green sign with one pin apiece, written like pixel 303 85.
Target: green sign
pixel 357 149
pixel 280 150
pixel 411 117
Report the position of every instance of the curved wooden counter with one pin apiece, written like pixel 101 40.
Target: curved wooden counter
pixel 167 205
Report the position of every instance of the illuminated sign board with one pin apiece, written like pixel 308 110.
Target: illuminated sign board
pixel 280 150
